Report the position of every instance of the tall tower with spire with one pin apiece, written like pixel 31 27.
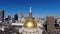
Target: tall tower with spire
pixel 30 13
pixel 22 15
pixel 30 26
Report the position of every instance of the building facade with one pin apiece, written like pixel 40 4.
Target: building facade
pixel 2 16
pixel 50 24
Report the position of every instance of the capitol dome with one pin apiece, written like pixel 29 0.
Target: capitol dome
pixel 30 23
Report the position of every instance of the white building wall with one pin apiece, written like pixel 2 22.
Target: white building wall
pixel 31 31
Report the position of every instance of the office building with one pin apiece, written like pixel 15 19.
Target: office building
pixel 1 15
pixel 50 24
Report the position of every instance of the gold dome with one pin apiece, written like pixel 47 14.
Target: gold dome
pixel 30 23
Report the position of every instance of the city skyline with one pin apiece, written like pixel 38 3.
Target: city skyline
pixel 40 8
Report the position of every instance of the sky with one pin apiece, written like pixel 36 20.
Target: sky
pixel 40 8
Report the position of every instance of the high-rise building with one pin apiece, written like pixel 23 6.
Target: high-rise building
pixel 21 18
pixel 2 16
pixel 50 24
pixel 9 17
pixel 21 15
pixel 16 17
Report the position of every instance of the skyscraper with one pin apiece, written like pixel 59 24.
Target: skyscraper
pixel 1 15
pixel 21 18
pixel 21 15
pixel 50 24
pixel 16 16
pixel 9 17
